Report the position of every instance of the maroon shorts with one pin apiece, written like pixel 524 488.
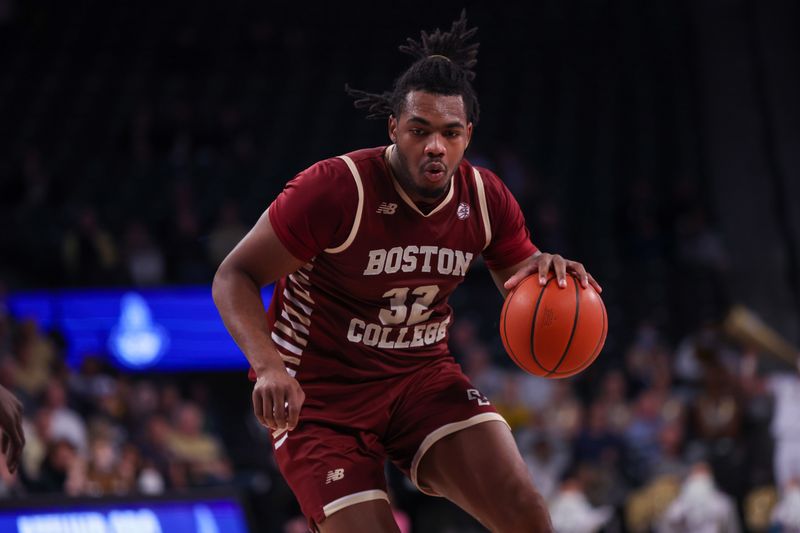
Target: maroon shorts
pixel 335 457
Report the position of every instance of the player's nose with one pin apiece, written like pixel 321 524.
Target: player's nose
pixel 435 146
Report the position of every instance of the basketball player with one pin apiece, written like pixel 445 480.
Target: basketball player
pixel 351 364
pixel 13 439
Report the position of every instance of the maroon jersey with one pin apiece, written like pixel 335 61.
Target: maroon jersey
pixel 371 301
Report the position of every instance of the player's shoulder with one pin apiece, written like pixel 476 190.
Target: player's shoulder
pixel 367 155
pixel 490 180
pixel 331 174
pixel 336 170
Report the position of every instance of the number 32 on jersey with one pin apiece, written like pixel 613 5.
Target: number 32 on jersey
pixel 400 324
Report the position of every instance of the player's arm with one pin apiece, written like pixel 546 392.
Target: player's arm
pixel 258 260
pixel 508 278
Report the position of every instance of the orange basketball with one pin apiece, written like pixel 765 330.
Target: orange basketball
pixel 553 332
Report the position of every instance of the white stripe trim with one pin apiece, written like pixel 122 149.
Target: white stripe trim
pixel 300 280
pixel 357 222
pixel 305 308
pixel 291 372
pixel 296 326
pixel 308 266
pixel 297 314
pixel 303 275
pixel 352 499
pixel 289 332
pixel 281 441
pixel 286 345
pixel 442 432
pixel 298 290
pixel 290 359
pixel 407 199
pixel 487 226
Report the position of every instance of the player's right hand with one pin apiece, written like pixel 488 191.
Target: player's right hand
pixel 277 399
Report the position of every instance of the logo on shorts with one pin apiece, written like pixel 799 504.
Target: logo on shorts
pixel 334 475
pixel 475 394
pixel 463 211
pixel 386 208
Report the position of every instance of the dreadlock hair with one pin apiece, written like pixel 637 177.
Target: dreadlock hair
pixel 444 63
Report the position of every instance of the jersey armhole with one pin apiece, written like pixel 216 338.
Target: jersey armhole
pixel 357 221
pixel 487 226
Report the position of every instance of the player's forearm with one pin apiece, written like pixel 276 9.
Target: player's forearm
pixel 238 300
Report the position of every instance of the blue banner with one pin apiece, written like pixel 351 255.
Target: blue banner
pixel 162 329
pixel 209 516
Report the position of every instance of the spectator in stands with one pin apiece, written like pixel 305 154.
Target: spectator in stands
pixel 613 394
pixel 717 415
pixel 641 437
pixel 185 249
pixel 144 261
pixel 564 412
pixel 546 464
pixel 226 233
pixel 486 377
pixel 700 507
pixel 200 451
pixel 784 387
pixel 510 404
pixel 65 424
pixel 89 253
pixel 571 511
pixel 61 471
pixel 671 459
pixel 156 456
pixel 786 514
pixel 103 473
pixel 34 355
pixel 600 453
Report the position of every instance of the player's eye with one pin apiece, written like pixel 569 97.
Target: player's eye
pixel 417 132
pixel 452 133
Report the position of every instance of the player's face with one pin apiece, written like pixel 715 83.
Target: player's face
pixel 431 135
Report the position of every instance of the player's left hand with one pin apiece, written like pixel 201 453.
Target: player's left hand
pixel 544 263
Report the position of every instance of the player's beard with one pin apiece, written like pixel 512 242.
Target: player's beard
pixel 407 181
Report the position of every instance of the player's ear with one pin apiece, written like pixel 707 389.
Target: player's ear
pixel 392 128
pixel 469 132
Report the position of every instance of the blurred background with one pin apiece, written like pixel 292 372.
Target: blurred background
pixel 657 142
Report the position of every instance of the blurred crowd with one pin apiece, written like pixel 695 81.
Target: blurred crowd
pixel 92 432
pixel 678 438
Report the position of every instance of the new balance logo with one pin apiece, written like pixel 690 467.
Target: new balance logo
pixel 475 394
pixel 386 208
pixel 334 475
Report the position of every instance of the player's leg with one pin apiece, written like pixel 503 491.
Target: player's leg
pixel 480 469
pixel 337 476
pixel 367 517
pixel 448 438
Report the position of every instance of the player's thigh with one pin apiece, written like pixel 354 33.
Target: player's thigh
pixel 480 469
pixel 373 516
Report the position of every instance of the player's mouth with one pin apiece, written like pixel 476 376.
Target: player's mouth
pixel 434 172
